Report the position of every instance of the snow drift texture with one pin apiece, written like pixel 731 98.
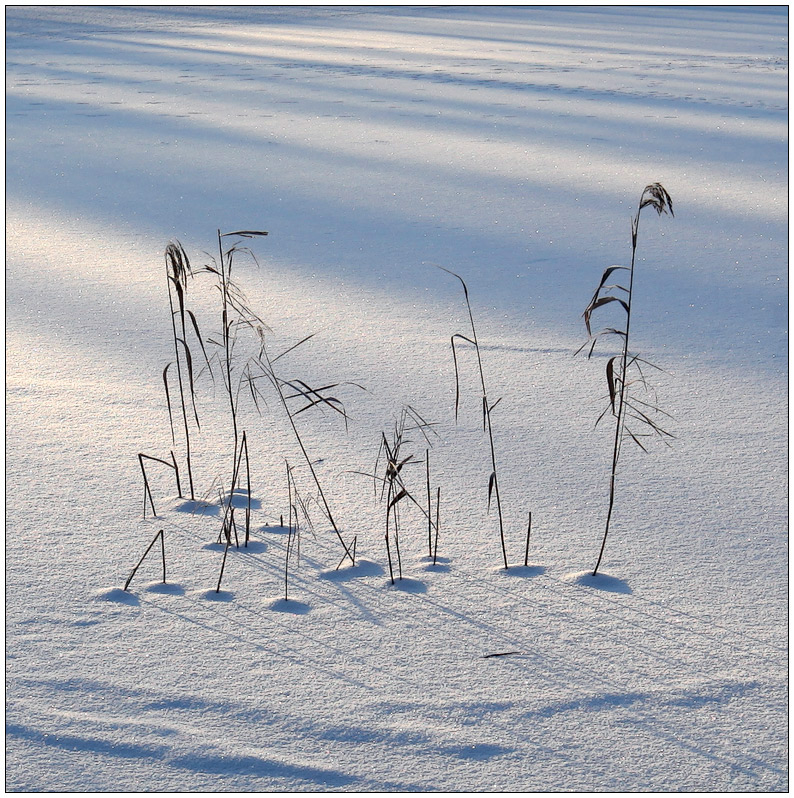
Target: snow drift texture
pixel 510 145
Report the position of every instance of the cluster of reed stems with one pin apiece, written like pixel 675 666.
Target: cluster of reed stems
pixel 391 452
pixel 634 418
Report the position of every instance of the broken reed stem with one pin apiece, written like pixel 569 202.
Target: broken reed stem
pixel 429 508
pixel 344 556
pixel 289 534
pixel 289 496
pixel 286 558
pixel 438 510
pixel 176 474
pixel 397 541
pixel 228 513
pixel 388 554
pixel 148 549
pixel 248 490
pixel 233 526
pixel 526 549
pixel 223 564
pixel 621 416
pixel 391 510
pixel 146 489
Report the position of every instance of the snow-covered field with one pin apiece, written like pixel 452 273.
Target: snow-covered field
pixel 510 145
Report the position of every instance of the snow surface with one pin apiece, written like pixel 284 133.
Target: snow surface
pixel 510 145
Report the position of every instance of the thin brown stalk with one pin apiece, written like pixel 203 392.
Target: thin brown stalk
pixel 654 196
pixel 487 407
pixel 148 549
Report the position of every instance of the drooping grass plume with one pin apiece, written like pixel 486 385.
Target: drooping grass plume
pixel 160 535
pixel 178 270
pixel 634 418
pixel 487 408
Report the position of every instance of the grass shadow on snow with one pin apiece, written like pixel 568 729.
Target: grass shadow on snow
pixel 168 588
pixel 290 606
pixel 217 595
pixel 117 595
pixel 254 546
pixel 240 500
pixel 277 528
pixel 361 568
pixel 259 766
pixel 197 507
pixel 601 581
pixel 525 571
pixel 441 565
pixel 408 585
pixel 479 752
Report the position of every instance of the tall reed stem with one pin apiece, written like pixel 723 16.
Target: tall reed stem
pixel 493 484
pixel 655 196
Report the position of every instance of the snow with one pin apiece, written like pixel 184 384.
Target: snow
pixel 510 145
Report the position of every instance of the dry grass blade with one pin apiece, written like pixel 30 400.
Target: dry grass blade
pixel 491 486
pixel 611 380
pixel 246 233
pixel 168 402
pixel 178 269
pixel 293 347
pixel 199 338
pixel 455 361
pixel 600 302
